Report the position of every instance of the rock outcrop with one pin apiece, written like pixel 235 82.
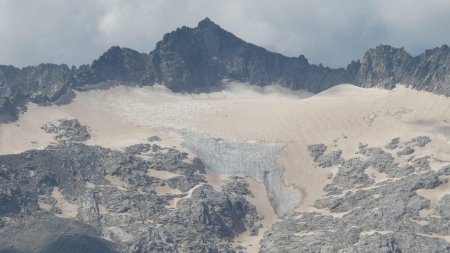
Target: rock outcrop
pixel 194 59
pixel 68 130
pixel 71 197
pixel 359 214
pixel 386 66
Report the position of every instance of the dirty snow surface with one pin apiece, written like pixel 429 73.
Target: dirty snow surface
pixel 368 163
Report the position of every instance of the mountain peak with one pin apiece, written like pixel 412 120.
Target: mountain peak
pixel 206 23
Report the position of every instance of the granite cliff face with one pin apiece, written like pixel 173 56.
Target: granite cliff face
pixel 386 66
pixel 119 64
pixel 39 84
pixel 196 59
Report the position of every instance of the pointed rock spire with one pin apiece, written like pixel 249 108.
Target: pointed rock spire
pixel 207 23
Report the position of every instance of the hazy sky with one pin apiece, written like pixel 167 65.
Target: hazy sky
pixel 331 32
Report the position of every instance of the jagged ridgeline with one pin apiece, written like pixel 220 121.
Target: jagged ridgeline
pixel 195 59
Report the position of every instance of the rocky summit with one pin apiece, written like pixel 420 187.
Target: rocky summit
pixel 212 144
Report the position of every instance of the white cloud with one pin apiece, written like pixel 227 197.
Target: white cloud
pixel 331 32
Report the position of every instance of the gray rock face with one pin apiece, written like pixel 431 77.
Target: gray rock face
pixel 196 59
pixel 119 64
pixel 40 84
pixel 406 151
pixel 8 111
pixel 114 196
pixel 324 160
pixel 138 149
pixel 443 206
pixel 384 162
pixel 188 59
pixel 369 216
pixel 420 141
pixel 422 163
pixel 191 59
pixel 386 66
pixel 317 150
pixel 68 130
pixel 383 66
pixel 236 185
pixel 5 105
pixel 393 143
pixel 351 174
pixel 153 139
pixel 398 242
pixel 213 212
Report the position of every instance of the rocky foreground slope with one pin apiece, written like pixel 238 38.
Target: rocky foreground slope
pixel 71 197
pixel 196 59
pixel 362 212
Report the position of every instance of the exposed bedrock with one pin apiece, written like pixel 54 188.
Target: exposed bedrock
pixel 68 130
pixel 254 158
pixel 361 214
pixel 70 197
